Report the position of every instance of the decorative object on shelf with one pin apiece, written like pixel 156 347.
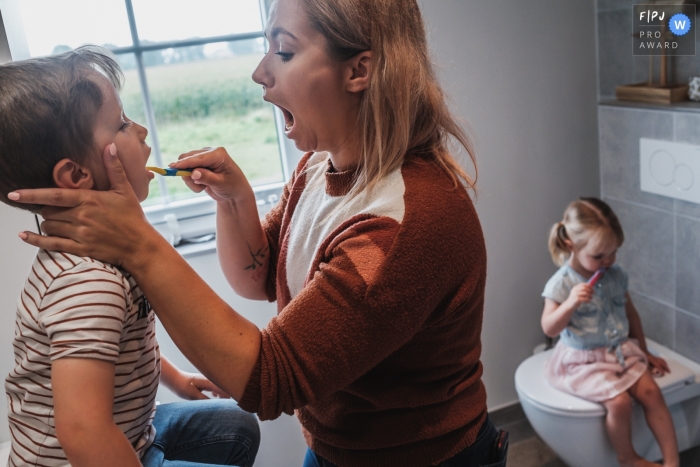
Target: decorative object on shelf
pixel 694 88
pixel 662 92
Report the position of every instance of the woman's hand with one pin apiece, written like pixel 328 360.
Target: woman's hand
pixel 214 172
pixel 105 225
pixel 189 386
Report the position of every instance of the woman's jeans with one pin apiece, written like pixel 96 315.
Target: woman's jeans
pixel 479 454
pixel 203 433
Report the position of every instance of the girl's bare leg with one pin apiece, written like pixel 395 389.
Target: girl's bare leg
pixel 647 392
pixel 618 423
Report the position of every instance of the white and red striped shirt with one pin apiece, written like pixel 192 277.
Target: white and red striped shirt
pixel 79 307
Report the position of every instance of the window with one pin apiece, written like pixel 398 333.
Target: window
pixel 188 69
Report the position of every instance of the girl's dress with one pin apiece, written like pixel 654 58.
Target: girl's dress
pixel 594 359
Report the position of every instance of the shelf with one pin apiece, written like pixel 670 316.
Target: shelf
pixel 685 106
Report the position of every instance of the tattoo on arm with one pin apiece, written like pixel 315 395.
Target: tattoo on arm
pixel 258 257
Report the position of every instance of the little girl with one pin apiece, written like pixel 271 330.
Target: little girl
pixel 601 354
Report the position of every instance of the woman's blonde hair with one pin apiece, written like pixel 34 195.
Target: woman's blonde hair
pixel 403 110
pixel 582 218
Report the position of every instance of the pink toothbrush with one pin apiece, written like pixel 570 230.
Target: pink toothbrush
pixel 596 277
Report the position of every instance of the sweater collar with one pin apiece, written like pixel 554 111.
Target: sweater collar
pixel 339 183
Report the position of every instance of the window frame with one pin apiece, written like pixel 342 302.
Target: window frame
pixel 190 219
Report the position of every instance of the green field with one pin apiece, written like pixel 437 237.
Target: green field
pixel 208 103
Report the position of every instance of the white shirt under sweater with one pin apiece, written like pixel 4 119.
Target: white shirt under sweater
pixel 79 308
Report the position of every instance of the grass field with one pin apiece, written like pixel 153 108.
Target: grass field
pixel 208 103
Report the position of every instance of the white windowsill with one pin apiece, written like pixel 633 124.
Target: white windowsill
pixel 190 250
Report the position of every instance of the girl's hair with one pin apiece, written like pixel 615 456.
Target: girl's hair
pixel 581 218
pixel 48 107
pixel 403 110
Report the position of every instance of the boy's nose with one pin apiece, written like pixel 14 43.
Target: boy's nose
pixel 143 131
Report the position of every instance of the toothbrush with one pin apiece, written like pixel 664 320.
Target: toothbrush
pixel 596 277
pixel 170 172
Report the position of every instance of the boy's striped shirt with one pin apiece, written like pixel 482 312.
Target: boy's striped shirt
pixel 79 308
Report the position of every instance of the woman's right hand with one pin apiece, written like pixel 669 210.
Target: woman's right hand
pixel 580 293
pixel 214 172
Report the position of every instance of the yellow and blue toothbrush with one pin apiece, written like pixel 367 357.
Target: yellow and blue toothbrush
pixel 170 172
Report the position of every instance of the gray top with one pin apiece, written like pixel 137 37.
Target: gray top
pixel 602 322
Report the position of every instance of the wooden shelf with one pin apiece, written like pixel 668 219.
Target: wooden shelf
pixel 685 106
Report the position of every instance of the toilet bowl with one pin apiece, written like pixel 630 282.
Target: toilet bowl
pixel 575 428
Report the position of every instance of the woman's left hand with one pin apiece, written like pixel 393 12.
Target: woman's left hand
pixel 657 365
pixel 189 386
pixel 106 225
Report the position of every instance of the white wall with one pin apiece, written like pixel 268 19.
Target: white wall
pixel 16 259
pixel 523 74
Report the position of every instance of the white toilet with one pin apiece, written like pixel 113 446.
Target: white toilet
pixel 575 428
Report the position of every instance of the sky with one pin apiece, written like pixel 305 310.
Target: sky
pixel 48 23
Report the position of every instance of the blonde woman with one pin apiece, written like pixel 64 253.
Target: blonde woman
pixel 375 254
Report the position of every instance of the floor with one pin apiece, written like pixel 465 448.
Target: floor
pixel 527 449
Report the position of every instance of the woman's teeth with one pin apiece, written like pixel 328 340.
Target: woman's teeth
pixel 288 126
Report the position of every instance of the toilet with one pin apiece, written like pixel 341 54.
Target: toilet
pixel 574 428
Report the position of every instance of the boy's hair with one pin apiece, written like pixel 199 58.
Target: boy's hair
pixel 48 107
pixel 580 218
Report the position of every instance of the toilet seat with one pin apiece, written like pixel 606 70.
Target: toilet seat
pixel 531 384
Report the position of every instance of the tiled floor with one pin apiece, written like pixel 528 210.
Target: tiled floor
pixel 532 453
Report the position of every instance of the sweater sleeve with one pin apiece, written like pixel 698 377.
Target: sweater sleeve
pixel 378 283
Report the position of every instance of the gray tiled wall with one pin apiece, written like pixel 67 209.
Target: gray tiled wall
pixel 661 252
pixel 616 63
pixel 662 247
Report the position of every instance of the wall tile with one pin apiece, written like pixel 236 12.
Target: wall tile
pixel 641 69
pixel 647 254
pixel 620 130
pixel 687 332
pixel 687 128
pixel 606 5
pixel 688 265
pixel 616 62
pixel 684 67
pixel 687 209
pixel 658 320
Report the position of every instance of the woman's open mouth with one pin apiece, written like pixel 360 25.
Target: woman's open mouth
pixel 288 119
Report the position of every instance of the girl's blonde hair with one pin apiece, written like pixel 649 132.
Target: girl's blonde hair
pixel 581 218
pixel 403 110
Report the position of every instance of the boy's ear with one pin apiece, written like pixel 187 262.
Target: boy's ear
pixel 359 71
pixel 70 174
pixel 569 245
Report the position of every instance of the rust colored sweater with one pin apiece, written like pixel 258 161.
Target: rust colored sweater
pixel 376 344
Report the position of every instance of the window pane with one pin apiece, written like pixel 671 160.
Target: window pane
pixel 132 101
pixel 166 20
pixel 58 26
pixel 204 96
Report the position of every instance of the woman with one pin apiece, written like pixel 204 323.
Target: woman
pixel 375 253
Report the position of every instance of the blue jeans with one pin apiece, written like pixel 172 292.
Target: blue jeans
pixel 203 433
pixel 479 454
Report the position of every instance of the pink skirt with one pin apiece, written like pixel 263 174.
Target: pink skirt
pixel 595 374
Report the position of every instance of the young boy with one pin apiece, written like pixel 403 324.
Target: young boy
pixel 87 363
